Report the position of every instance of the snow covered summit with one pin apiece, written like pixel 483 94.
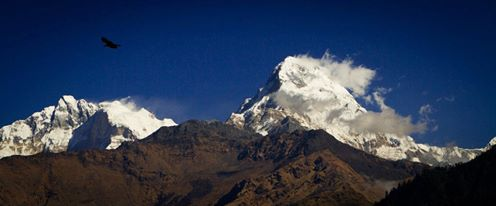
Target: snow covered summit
pixel 305 93
pixel 76 124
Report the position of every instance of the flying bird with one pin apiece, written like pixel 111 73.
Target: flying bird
pixel 109 44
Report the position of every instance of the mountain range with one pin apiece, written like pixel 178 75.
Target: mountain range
pixel 78 124
pixel 301 93
pixel 298 141
pixel 205 163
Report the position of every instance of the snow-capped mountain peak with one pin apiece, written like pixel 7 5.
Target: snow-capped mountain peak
pixel 72 121
pixel 303 90
pixel 320 94
pixel 118 121
pixel 491 143
pixel 139 120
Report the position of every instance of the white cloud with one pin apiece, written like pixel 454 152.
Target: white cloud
pixel 425 110
pixel 368 99
pixel 161 107
pixel 387 120
pixel 379 99
pixel 355 78
pixel 126 102
pixel 447 98
pixel 435 128
pixel 298 103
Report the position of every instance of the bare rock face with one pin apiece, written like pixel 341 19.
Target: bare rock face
pixel 314 180
pixel 53 129
pixel 205 163
pixel 304 94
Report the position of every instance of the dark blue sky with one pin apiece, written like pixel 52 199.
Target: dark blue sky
pixel 200 60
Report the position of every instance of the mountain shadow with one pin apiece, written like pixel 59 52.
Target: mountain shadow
pixel 471 183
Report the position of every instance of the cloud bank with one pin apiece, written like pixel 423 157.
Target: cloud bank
pixel 161 107
pixel 387 120
pixel 355 78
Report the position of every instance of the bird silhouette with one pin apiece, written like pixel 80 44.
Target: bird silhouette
pixel 109 44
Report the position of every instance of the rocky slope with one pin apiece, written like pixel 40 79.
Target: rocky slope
pixel 303 94
pixel 78 124
pixel 205 163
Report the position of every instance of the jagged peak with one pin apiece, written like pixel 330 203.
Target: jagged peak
pixel 320 94
pixel 124 106
pixel 52 128
pixel 303 69
pixel 305 78
pixel 491 143
pixel 68 100
pixel 126 113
